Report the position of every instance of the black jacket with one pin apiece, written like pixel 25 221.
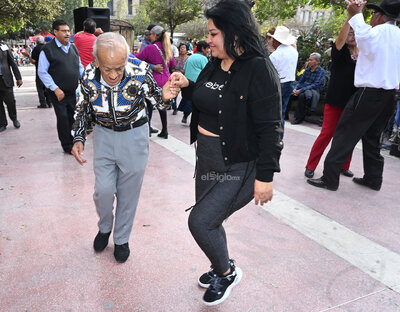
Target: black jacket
pixel 250 115
pixel 7 60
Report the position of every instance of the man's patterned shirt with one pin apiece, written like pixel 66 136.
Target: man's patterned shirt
pixel 120 105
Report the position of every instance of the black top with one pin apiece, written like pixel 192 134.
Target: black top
pixel 7 61
pixel 35 54
pixel 206 100
pixel 64 67
pixel 249 113
pixel 341 84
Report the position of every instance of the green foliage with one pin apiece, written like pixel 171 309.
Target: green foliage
pixel 141 20
pixel 14 14
pixel 331 26
pixel 194 29
pixel 266 9
pixel 309 42
pixel 173 12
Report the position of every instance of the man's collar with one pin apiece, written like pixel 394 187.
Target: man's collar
pixel 59 44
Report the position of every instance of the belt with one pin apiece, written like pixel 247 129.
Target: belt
pixel 132 125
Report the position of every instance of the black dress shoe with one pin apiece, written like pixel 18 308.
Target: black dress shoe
pixel 3 128
pixel 347 173
pixel 121 252
pixel 175 112
pixel 184 120
pixel 362 181
pixel 297 122
pixel 163 135
pixel 42 106
pixel 16 123
pixel 152 130
pixel 309 173
pixel 101 241
pixel 320 183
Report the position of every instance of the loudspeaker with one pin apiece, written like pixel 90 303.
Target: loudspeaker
pixel 100 15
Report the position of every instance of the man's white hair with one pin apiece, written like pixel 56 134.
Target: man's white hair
pixel 317 56
pixel 110 41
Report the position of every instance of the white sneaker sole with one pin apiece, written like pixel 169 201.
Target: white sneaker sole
pixel 203 285
pixel 239 275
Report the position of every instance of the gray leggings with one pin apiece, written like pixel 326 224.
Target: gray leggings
pixel 220 191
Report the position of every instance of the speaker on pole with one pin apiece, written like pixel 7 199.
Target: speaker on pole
pixel 100 15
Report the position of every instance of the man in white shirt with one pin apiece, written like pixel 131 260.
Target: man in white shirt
pixel 377 75
pixel 284 59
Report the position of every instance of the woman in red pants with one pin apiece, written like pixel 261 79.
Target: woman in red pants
pixel 340 89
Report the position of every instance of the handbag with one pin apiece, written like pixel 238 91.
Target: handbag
pixel 162 55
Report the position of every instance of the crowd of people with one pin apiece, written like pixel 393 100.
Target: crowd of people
pixel 237 89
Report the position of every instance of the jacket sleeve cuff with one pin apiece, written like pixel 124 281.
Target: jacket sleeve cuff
pixel 79 138
pixel 264 176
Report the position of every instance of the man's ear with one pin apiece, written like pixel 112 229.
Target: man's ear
pixel 96 62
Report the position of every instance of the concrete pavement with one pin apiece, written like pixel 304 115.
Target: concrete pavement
pixel 307 250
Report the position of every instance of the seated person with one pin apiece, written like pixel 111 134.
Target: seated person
pixel 309 87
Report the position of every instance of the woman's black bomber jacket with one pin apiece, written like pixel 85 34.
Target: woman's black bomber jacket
pixel 249 109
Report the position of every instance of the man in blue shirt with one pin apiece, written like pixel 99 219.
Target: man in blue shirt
pixel 60 69
pixel 309 87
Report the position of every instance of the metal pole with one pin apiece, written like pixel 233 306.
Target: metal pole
pixel 90 3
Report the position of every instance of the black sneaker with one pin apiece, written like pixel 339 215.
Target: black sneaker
pixel 101 241
pixel 121 252
pixel 221 287
pixel 205 280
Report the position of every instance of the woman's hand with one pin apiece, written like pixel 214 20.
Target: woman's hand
pixel 178 79
pixel 170 91
pixel 263 192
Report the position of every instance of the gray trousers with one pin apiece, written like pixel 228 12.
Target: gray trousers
pixel 120 159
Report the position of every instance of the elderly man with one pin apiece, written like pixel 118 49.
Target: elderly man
pixel 114 93
pixel 377 75
pixel 59 69
pixel 6 87
pixel 284 58
pixel 309 87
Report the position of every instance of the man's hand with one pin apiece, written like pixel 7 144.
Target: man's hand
pixel 355 6
pixel 59 94
pixel 170 91
pixel 178 79
pixel 19 83
pixel 262 192
pixel 158 68
pixel 296 92
pixel 77 151
pixel 98 31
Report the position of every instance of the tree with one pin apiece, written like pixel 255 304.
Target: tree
pixel 14 14
pixel 173 12
pixel 284 9
pixel 194 29
pixel 141 20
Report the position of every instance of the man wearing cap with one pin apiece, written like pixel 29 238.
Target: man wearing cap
pixel 284 58
pixel 309 87
pixel 377 75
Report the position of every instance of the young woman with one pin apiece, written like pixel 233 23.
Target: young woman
pixel 237 125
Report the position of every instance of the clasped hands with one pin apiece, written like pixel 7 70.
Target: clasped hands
pixel 355 6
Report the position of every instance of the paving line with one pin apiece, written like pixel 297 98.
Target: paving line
pixel 373 259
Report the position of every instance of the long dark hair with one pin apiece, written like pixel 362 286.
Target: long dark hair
pixel 237 23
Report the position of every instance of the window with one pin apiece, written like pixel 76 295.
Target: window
pixel 129 7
